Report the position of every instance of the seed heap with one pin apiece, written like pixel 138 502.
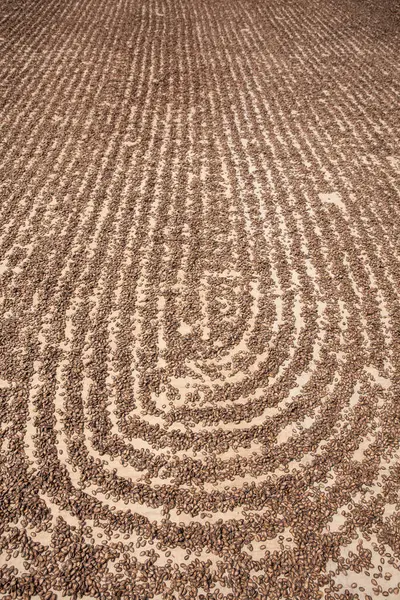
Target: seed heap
pixel 200 318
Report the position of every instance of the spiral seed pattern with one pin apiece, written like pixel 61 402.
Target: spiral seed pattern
pixel 200 276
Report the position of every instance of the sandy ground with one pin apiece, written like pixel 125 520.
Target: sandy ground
pixel 200 311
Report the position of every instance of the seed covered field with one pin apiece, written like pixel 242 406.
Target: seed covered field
pixel 200 299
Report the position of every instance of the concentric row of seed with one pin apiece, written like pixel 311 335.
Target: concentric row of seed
pixel 201 300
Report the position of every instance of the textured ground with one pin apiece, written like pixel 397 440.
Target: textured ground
pixel 200 281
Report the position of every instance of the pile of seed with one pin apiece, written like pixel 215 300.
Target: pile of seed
pixel 200 299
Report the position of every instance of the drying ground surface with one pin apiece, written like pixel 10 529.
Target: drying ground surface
pixel 200 277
